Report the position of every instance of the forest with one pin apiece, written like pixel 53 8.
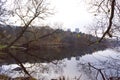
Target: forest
pixel 45 36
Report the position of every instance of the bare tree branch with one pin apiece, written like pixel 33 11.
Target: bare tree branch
pixel 110 21
pixel 40 9
pixel 41 37
pixel 18 61
pixel 99 70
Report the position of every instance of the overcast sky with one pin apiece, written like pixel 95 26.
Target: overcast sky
pixel 71 13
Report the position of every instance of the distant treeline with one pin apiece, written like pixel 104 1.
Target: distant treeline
pixel 49 44
pixel 45 36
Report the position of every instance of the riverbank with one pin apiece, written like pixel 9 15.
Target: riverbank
pixel 5 77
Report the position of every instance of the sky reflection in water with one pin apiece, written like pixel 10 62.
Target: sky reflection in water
pixel 107 60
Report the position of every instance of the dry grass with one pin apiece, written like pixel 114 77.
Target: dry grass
pixel 5 77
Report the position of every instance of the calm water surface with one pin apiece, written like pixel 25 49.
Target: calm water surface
pixel 71 68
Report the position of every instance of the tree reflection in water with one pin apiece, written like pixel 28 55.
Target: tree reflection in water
pixel 88 67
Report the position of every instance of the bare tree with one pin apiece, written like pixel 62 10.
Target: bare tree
pixel 28 12
pixel 25 12
pixel 109 10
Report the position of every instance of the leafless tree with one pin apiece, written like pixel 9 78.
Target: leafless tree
pixel 109 10
pixel 27 13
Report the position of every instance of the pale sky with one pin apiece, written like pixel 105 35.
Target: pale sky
pixel 71 13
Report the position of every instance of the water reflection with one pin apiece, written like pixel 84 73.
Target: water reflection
pixel 72 68
pixel 43 55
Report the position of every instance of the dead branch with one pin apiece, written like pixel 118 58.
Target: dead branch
pixel 99 70
pixel 17 60
pixel 41 37
pixel 110 21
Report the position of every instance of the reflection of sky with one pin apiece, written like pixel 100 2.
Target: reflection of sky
pixel 72 68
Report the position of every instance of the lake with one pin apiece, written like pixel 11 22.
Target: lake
pixel 80 67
